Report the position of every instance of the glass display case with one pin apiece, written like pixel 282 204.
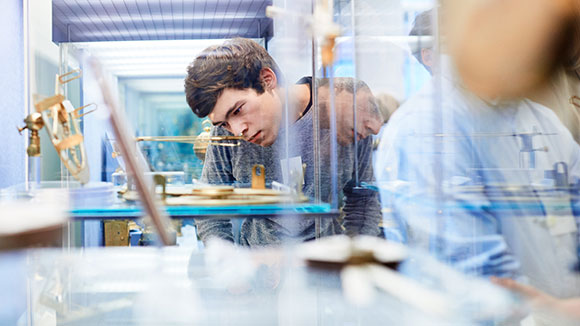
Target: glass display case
pixel 227 285
pixel 146 73
pixel 329 152
pixel 273 126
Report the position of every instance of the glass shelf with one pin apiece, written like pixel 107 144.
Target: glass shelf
pixel 177 212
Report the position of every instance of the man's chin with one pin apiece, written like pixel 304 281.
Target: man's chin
pixel 266 143
pixel 345 141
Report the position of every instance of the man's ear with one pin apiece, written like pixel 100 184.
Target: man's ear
pixel 269 79
pixel 427 57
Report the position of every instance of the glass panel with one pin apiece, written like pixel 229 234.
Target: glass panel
pixel 333 121
pixel 366 121
pixel 484 183
pixel 178 286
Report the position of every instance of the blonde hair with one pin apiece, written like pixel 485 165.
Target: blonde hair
pixel 571 59
pixel 387 105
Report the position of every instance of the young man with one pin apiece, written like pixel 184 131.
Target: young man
pixel 238 86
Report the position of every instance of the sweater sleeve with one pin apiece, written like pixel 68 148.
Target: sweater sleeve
pixel 217 170
pixel 362 210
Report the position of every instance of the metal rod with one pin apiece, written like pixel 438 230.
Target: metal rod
pixel 28 82
pixel 30 302
pixel 316 134
pixel 333 145
pixel 187 139
pixel 129 152
pixel 133 215
pixel 354 134
pixel 438 125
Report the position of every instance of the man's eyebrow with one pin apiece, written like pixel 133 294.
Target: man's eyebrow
pixel 235 106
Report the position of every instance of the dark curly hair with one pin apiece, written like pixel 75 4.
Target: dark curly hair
pixel 422 26
pixel 234 64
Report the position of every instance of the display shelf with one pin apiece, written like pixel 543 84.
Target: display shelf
pixel 178 212
pixel 514 203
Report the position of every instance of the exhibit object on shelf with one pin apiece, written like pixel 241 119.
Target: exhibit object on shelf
pixel 61 121
pixel 200 142
pixel 221 195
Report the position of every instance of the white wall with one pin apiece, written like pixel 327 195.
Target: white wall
pixel 12 92
pixel 41 30
pixel 43 66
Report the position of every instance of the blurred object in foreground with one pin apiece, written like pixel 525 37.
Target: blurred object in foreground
pixel 507 48
pixel 546 308
pixel 35 223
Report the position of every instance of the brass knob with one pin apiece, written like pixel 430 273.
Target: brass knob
pixel 33 149
pixel 203 139
pixel 21 129
pixel 33 122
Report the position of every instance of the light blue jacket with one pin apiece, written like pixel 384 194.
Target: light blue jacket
pixel 457 178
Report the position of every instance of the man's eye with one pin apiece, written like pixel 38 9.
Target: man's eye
pixel 237 111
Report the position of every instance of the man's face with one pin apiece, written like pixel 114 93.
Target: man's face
pixel 369 120
pixel 246 113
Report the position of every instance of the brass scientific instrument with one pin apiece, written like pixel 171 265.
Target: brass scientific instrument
pixel 200 142
pixel 61 120
pixel 223 195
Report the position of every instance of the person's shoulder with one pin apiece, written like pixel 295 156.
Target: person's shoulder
pixel 415 106
pixel 543 114
pixel 304 80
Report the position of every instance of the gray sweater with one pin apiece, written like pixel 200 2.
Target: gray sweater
pixel 232 165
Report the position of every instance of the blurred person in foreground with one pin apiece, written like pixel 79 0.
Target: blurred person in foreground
pixel 505 49
pixel 453 169
pixel 513 48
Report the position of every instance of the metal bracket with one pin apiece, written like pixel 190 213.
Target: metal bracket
pixel 258 181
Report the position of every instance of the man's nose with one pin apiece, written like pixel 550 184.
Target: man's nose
pixel 372 127
pixel 239 128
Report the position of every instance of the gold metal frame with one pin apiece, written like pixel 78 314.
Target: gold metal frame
pixel 65 134
pixel 75 74
pixel 61 121
pixel 76 113
pixel 213 140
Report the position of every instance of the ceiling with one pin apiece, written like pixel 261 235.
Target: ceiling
pixel 130 20
pixel 148 66
pixel 156 85
pixel 141 59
